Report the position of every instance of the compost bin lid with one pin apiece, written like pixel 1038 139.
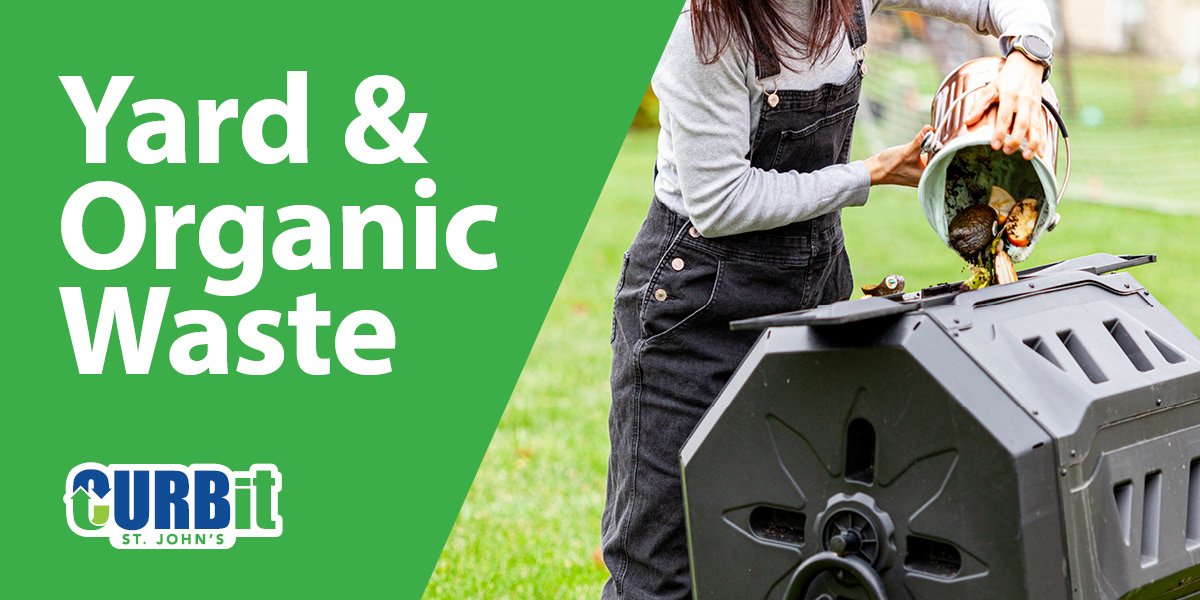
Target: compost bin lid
pixel 889 307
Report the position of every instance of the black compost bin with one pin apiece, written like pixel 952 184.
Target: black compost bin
pixel 1039 440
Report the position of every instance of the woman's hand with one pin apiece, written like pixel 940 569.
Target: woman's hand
pixel 899 165
pixel 1019 121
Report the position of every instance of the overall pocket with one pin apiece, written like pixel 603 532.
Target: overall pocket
pixel 800 150
pixel 682 288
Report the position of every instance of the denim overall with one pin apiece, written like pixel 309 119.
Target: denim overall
pixel 672 348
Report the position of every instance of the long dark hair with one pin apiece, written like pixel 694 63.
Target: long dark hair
pixel 762 27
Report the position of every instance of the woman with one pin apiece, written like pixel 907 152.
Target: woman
pixel 758 99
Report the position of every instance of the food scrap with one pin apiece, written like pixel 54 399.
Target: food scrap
pixel 892 284
pixel 982 233
pixel 1006 271
pixel 972 231
pixel 1023 219
pixel 1002 202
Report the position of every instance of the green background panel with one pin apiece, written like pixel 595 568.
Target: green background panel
pixel 528 104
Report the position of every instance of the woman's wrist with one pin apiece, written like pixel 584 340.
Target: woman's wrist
pixel 899 165
pixel 879 169
pixel 874 169
pixel 1027 62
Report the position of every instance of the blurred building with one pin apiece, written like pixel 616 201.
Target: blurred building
pixel 1163 28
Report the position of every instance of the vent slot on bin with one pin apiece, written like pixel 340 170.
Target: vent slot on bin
pixel 932 557
pixel 1168 352
pixel 778 525
pixel 1128 345
pixel 1151 517
pixel 1038 345
pixel 860 452
pixel 1193 505
pixel 1082 357
pixel 1123 494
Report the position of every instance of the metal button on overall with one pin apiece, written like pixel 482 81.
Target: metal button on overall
pixel 677 263
pixel 694 232
pixel 660 294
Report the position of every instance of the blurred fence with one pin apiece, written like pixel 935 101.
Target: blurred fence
pixel 1132 107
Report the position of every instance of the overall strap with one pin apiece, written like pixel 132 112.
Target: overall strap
pixel 858 32
pixel 858 38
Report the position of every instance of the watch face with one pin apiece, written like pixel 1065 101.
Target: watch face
pixel 1037 47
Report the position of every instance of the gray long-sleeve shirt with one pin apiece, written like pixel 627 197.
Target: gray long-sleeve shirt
pixel 708 112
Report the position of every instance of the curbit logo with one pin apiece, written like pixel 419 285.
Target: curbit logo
pixel 155 507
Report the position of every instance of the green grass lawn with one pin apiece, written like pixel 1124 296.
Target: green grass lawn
pixel 532 519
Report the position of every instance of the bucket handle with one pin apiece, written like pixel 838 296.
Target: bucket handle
pixel 1062 127
pixel 931 138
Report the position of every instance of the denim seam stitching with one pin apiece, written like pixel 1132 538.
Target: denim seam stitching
pixel 773 259
pixel 623 568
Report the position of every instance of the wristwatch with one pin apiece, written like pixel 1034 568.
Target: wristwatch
pixel 1034 48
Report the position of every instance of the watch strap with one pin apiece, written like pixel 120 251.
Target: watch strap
pixel 1008 44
